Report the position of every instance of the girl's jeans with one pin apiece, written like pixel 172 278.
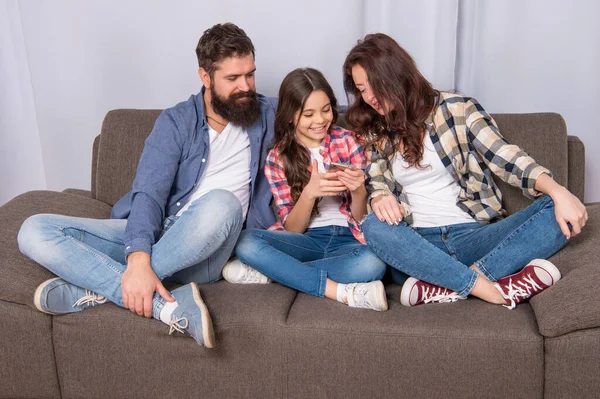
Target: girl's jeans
pixel 90 252
pixel 304 261
pixel 442 255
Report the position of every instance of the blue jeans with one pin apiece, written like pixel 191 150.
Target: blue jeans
pixel 304 261
pixel 442 255
pixel 90 252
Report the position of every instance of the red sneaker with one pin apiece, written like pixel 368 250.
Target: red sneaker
pixel 534 278
pixel 415 292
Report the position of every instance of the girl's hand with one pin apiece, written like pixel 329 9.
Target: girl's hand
pixel 387 209
pixel 353 179
pixel 322 184
pixel 568 209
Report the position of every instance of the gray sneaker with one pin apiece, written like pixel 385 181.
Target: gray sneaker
pixel 57 296
pixel 367 296
pixel 191 315
pixel 237 272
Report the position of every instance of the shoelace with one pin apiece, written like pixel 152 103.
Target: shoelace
pixel 356 295
pixel 252 275
pixel 439 295
pixel 90 298
pixel 520 289
pixel 178 324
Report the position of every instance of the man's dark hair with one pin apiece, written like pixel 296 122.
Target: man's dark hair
pixel 220 42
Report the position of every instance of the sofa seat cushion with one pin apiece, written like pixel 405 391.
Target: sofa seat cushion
pixel 572 304
pixel 27 366
pixel 109 352
pixel 410 352
pixel 20 275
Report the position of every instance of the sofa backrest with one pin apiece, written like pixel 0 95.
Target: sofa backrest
pixel 543 135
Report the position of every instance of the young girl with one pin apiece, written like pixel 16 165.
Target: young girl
pixel 437 213
pixel 316 247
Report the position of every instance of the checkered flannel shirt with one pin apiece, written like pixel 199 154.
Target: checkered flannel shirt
pixel 467 140
pixel 340 145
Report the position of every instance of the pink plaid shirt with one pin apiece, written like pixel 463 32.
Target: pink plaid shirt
pixel 340 145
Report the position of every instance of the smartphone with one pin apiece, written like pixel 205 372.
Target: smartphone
pixel 336 166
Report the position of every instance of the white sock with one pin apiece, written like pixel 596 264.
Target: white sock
pixel 341 292
pixel 167 311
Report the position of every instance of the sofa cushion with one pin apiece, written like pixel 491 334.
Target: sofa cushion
pixel 20 275
pixel 572 365
pixel 124 132
pixel 27 367
pixel 572 304
pixel 336 351
pixel 109 352
pixel 544 137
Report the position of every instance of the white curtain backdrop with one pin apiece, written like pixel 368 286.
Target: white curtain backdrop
pixel 65 63
pixel 21 159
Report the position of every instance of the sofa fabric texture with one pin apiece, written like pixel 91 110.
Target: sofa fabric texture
pixel 273 342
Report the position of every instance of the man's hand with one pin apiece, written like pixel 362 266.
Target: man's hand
pixel 138 284
pixel 387 209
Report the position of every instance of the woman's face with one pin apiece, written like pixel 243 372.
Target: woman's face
pixel 314 120
pixel 361 81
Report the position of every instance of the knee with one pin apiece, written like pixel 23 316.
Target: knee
pixel 31 235
pixel 247 244
pixel 376 231
pixel 225 204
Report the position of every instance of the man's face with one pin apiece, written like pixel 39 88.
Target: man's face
pixel 233 90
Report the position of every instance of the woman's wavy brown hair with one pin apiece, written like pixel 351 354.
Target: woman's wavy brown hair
pixel 394 79
pixel 295 89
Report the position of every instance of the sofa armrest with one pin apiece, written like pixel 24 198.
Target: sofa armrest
pixel 572 303
pixel 77 191
pixel 95 148
pixel 576 177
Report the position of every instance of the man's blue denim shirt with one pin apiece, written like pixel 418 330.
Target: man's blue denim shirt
pixel 174 158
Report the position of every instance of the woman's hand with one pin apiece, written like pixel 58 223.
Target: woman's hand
pixel 387 209
pixel 353 179
pixel 568 209
pixel 138 284
pixel 322 184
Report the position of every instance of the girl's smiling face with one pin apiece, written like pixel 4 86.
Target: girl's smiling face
pixel 313 122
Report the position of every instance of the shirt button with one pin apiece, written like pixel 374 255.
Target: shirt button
pixel 203 160
pixel 179 204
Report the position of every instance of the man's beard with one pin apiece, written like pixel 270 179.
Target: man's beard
pixel 239 112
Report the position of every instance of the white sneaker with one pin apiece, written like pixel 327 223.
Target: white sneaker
pixel 367 296
pixel 237 272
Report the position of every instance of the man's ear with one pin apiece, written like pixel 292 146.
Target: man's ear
pixel 204 77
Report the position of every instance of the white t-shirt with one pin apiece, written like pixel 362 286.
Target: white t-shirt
pixel 228 166
pixel 329 207
pixel 432 191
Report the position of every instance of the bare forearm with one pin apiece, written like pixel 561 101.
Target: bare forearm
pixel 358 208
pixel 547 185
pixel 299 217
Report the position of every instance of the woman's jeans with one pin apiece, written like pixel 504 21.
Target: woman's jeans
pixel 442 255
pixel 90 252
pixel 305 261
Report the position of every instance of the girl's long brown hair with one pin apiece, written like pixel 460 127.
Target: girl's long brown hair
pixel 293 93
pixel 395 80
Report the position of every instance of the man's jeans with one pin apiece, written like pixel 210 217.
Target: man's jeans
pixel 304 261
pixel 90 252
pixel 442 255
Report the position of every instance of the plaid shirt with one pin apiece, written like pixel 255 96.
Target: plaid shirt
pixel 467 140
pixel 339 145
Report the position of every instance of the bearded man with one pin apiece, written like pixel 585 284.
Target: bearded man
pixel 198 181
